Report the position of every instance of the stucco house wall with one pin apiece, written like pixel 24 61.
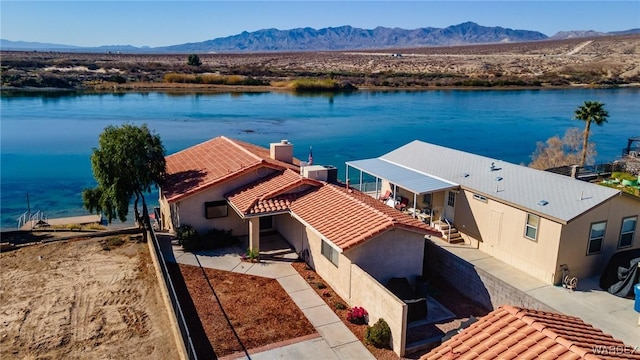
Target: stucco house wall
pixel 575 237
pixel 380 303
pixel 396 253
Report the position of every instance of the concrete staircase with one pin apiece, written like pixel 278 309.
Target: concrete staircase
pixel 449 233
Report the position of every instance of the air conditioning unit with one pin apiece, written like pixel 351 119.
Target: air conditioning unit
pixel 326 173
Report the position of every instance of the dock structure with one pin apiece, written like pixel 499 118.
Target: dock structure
pixel 79 220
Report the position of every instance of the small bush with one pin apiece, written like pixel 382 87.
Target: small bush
pixel 357 315
pixel 112 242
pixel 194 60
pixel 340 306
pixel 623 176
pixel 321 285
pixel 252 255
pixel 378 335
pixel 187 236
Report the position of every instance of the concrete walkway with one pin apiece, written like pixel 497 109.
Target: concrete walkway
pixel 609 313
pixel 336 341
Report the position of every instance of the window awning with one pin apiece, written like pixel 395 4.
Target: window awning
pixel 414 181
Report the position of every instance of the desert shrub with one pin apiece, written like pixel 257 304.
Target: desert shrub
pixel 187 236
pixel 118 79
pixel 378 335
pixel 340 306
pixel 357 315
pixel 314 85
pixel 194 60
pixel 111 242
pixel 321 285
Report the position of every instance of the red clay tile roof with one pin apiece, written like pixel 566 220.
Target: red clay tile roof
pixel 212 162
pixel 274 193
pixel 511 332
pixel 349 218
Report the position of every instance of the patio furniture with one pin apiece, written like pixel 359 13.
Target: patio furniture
pixel 402 204
pixel 386 196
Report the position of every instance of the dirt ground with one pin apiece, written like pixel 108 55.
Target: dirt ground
pixel 600 62
pixel 83 298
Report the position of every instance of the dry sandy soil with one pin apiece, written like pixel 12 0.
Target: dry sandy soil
pixel 599 61
pixel 75 299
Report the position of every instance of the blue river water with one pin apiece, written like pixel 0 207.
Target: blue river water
pixel 46 140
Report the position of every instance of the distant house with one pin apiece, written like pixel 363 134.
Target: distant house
pixel 355 242
pixel 519 333
pixel 534 220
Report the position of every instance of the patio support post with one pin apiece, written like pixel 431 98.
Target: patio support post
pixel 254 234
pixel 377 189
pixel 415 203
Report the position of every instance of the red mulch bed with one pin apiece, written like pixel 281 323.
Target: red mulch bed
pixel 259 310
pixel 331 298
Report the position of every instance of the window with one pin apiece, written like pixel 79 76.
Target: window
pixel 215 209
pixel 329 252
pixel 627 231
pixel 427 199
pixel 531 228
pixel 596 237
pixel 451 201
pixel 480 197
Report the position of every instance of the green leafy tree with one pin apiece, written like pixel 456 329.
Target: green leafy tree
pixel 590 111
pixel 194 60
pixel 129 160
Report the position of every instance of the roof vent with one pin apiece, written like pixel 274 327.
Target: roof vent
pixel 543 202
pixel 498 178
pixel 465 175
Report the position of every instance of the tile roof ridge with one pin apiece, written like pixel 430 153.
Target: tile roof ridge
pixel 286 187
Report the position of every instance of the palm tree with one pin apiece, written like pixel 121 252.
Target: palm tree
pixel 590 111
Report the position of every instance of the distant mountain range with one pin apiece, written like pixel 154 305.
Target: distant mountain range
pixel 331 38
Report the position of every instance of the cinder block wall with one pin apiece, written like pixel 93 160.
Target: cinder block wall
pixel 476 284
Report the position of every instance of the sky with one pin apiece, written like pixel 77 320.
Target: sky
pixel 162 23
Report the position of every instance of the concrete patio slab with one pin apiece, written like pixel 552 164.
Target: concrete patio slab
pixel 306 299
pixel 321 315
pixel 336 334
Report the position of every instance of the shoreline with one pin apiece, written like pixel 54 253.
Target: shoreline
pixel 190 88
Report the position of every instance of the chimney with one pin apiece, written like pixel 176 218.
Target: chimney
pixel 282 151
